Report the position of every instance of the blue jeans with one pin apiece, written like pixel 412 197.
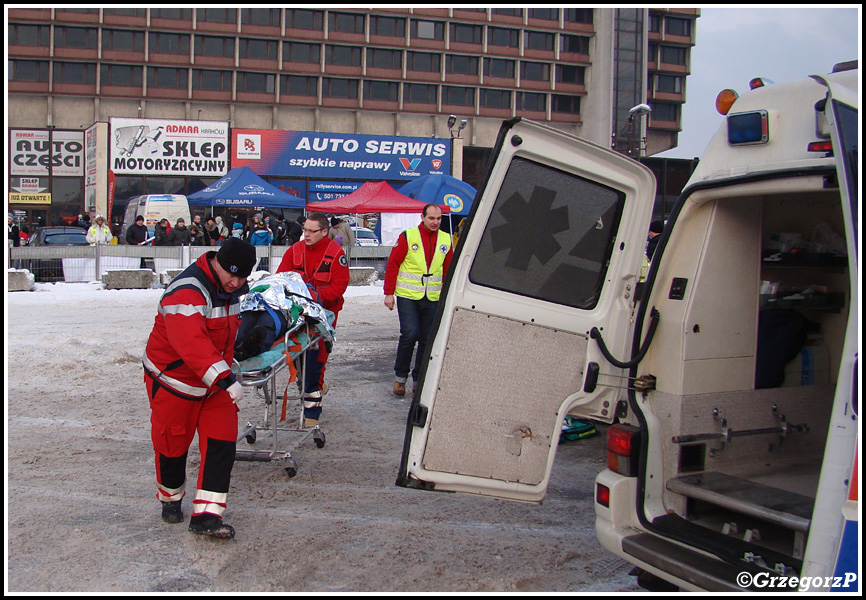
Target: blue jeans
pixel 416 321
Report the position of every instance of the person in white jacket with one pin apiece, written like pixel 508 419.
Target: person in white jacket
pixel 99 233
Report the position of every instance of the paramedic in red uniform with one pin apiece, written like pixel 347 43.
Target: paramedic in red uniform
pixel 187 371
pixel 414 274
pixel 323 265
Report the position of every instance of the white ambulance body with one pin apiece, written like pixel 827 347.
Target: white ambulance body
pixel 731 371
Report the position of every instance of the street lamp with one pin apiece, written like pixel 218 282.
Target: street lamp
pixel 640 109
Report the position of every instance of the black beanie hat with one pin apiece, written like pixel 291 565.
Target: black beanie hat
pixel 237 257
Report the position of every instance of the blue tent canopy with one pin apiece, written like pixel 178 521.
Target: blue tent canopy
pixel 442 189
pixel 242 188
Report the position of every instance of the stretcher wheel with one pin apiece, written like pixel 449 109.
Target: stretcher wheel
pixel 251 437
pixel 292 468
pixel 319 438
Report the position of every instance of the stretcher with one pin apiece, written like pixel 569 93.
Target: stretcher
pixel 309 325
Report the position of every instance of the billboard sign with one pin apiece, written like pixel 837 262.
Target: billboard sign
pixel 166 147
pixel 339 156
pixel 31 155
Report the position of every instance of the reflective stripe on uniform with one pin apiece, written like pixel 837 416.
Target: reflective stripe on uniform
pixel 169 495
pixel 209 502
pixel 171 382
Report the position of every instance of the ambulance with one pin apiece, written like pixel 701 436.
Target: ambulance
pixel 154 208
pixel 729 374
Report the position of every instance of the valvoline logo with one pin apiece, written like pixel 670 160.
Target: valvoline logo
pixel 437 163
pixel 410 165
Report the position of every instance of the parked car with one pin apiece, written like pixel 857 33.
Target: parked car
pixel 51 269
pixel 365 237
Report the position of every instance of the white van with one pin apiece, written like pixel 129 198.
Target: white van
pixel 731 375
pixel 154 208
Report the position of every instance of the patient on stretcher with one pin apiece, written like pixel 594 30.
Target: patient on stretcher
pixel 273 306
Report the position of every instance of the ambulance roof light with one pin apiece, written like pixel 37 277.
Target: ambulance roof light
pixel 725 100
pixel 759 82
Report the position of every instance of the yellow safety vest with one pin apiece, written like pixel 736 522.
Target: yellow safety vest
pixel 413 279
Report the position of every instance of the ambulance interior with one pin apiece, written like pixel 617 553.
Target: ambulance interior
pixel 753 291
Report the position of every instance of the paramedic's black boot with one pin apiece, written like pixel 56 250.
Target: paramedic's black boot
pixel 211 526
pixel 171 512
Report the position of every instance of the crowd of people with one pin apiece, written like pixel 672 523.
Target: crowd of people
pixel 214 231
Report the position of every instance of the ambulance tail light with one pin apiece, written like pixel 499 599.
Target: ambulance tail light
pixel 623 449
pixel 602 495
pixel 822 146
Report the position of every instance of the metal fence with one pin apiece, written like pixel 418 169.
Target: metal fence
pixel 89 263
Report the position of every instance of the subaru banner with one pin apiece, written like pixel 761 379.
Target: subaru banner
pixel 167 147
pixel 339 155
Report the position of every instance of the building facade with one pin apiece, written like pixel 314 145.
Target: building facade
pixel 383 71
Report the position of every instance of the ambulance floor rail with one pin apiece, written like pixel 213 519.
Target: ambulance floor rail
pixel 260 372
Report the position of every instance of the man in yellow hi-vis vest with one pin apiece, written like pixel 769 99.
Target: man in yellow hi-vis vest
pixel 414 274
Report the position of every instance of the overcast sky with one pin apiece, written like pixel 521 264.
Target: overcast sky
pixel 734 45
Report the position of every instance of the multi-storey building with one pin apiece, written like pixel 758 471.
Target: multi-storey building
pixel 388 71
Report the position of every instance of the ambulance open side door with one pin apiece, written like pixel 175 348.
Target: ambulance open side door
pixel 544 277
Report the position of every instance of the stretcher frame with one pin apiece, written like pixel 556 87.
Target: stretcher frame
pixel 264 381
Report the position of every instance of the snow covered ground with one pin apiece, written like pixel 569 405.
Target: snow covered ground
pixel 81 513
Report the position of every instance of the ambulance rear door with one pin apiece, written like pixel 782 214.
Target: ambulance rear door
pixel 546 270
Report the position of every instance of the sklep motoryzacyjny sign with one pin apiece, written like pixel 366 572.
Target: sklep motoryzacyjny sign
pixel 168 147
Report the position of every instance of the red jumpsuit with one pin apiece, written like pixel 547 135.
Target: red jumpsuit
pixel 325 267
pixel 190 347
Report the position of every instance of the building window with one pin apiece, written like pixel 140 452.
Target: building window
pixel 578 15
pixel 178 14
pixel 570 74
pixel 536 40
pixel 508 12
pixel 298 85
pixel 28 35
pixel 546 14
pixel 343 56
pixel 166 77
pixel 130 41
pixel 299 52
pixel 664 111
pixel 257 49
pixel 390 26
pixel 345 22
pixel 74 72
pixel 675 26
pixel 499 67
pixel 577 44
pixel 79 11
pixel 261 16
pixel 457 64
pixel 216 15
pixel 427 30
pixel 503 37
pixel 458 96
pixel 534 71
pixel 496 99
pixel 670 84
pixel 308 20
pixel 165 43
pixel 381 90
pixel 466 34
pixel 423 61
pixel 673 55
pixel 75 37
pixel 216 81
pixel 531 101
pixel 28 70
pixel 655 23
pixel 339 88
pixel 120 75
pixel 125 12
pixel 565 104
pixel 214 46
pixel 381 58
pixel 420 93
pixel 260 83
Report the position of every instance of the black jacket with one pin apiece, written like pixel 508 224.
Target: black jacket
pixel 136 234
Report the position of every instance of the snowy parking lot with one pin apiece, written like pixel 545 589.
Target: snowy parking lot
pixel 81 512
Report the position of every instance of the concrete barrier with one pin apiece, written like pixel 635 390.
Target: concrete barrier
pixel 166 276
pixel 129 279
pixel 20 280
pixel 362 275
